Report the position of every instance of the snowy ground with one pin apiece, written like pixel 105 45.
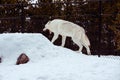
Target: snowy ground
pixel 50 62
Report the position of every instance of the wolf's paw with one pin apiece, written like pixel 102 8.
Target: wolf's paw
pixel 78 51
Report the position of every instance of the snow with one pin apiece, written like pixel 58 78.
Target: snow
pixel 50 62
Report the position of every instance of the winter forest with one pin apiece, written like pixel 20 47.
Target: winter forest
pixel 27 51
pixel 100 19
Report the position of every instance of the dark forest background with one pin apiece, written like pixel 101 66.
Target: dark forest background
pixel 100 19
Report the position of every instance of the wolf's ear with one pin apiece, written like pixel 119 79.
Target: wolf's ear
pixel 48 22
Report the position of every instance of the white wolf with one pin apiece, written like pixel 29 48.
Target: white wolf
pixel 66 28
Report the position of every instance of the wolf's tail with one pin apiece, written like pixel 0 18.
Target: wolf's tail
pixel 85 39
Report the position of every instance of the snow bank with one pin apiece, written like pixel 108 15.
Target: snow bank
pixel 11 45
pixel 49 62
pixel 36 46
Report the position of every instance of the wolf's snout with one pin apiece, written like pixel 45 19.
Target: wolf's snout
pixel 44 29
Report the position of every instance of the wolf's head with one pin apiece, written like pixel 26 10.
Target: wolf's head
pixel 47 27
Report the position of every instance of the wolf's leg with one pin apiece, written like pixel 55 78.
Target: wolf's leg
pixel 80 47
pixel 85 42
pixel 54 37
pixel 63 41
pixel 87 48
pixel 78 43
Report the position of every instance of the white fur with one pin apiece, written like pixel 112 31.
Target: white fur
pixel 66 28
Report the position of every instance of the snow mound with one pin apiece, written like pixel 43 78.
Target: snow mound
pixel 50 62
pixel 36 46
